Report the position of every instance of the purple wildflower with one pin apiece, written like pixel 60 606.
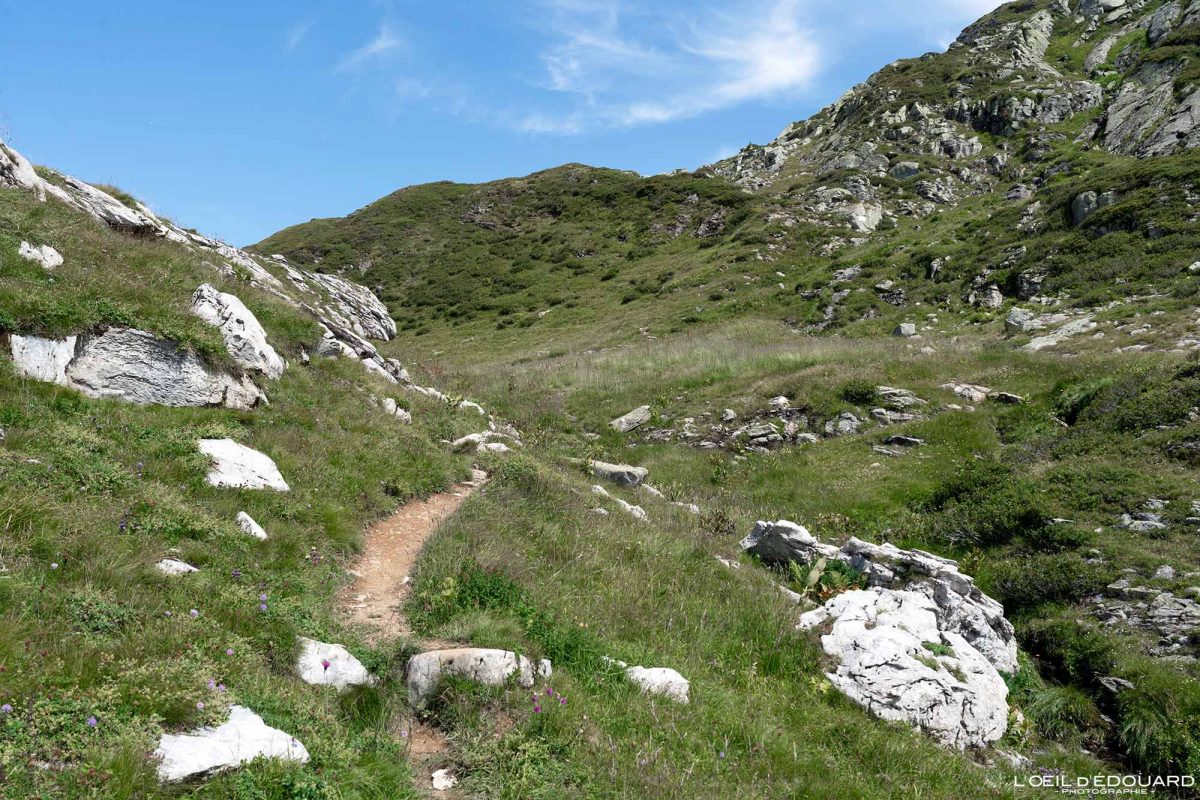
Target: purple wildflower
pixel 53 565
pixel 562 701
pixel 537 709
pixel 92 722
pixel 404 734
pixel 166 613
pixel 200 706
pixel 263 597
pixel 220 687
pixel 325 663
pixel 6 709
pixel 262 606
pixel 194 613
pixel 228 651
pixel 212 684
pixel 237 573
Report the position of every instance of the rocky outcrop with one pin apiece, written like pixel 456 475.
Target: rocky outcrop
pixel 896 659
pixel 481 665
pixel 244 337
pixel 960 605
pixel 622 474
pixel 18 173
pixel 322 664
pixel 634 419
pixel 235 466
pixel 241 739
pixel 131 365
pixel 350 313
pixel 1145 119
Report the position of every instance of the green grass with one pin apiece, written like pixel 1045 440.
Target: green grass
pixel 93 493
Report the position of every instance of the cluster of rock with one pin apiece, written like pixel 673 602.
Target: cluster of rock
pixel 921 644
pixel 1173 620
pixel 780 424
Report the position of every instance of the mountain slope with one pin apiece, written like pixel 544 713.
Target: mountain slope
pixel 1019 211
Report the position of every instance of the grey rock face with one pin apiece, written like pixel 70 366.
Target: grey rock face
pixel 1145 119
pixel 905 170
pixel 131 365
pixel 244 337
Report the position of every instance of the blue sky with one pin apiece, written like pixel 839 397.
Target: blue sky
pixel 240 118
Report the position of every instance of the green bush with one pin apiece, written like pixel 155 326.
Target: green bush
pixel 1068 651
pixel 985 503
pixel 1159 722
pixel 1025 583
pixel 859 392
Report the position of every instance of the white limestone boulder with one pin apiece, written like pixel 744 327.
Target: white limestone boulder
pixel 660 680
pixel 323 664
pixel 45 255
pixel 241 739
pixel 622 474
pixel 43 359
pixel 133 366
pixel 481 665
pixel 637 512
pixel 479 441
pixel 783 541
pixel 235 466
pixel 631 421
pixel 244 337
pixel 894 661
pixel 175 567
pixel 248 526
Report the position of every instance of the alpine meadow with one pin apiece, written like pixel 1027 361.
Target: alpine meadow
pixel 864 463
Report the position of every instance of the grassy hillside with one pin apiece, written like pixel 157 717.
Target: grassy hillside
pixel 94 492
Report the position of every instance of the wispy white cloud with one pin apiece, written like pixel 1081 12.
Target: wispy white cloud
pixel 297 33
pixel 386 40
pixel 625 66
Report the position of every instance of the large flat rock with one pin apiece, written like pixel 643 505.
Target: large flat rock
pixel 241 739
